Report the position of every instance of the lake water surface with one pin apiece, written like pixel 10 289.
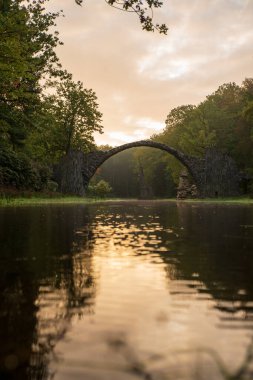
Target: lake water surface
pixel 125 291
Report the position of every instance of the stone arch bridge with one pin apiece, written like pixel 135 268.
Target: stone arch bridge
pixel 214 175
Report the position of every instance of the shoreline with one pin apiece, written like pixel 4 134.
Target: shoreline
pixel 68 200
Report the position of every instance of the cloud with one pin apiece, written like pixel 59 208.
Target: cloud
pixel 119 137
pixel 144 122
pixel 145 75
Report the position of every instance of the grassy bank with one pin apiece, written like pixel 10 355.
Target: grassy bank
pixel 19 201
pixel 238 200
pixel 46 199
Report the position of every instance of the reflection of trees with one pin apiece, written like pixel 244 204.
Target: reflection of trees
pixel 212 253
pixel 18 294
pixel 216 243
pixel 45 278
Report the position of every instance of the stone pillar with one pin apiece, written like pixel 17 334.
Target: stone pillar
pixel 221 177
pixel 185 187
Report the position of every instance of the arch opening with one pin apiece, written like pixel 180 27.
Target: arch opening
pixel 96 159
pixel 139 173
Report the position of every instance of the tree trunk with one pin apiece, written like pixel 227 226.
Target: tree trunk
pixel 68 174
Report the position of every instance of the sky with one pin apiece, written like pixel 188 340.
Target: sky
pixel 138 76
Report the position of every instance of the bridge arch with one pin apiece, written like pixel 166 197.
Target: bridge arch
pixel 214 173
pixel 95 159
pixel 184 159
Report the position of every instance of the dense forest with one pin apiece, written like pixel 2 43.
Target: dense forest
pixel 44 114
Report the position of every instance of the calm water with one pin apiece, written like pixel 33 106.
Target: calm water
pixel 126 291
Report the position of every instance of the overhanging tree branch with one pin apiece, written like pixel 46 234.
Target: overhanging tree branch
pixel 142 8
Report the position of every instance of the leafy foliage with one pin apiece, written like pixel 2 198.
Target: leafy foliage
pixel 67 121
pixel 101 189
pixel 142 8
pixel 223 120
pixel 27 55
pixel 16 170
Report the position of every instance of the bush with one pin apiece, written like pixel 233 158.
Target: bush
pixel 39 178
pixel 52 186
pixel 102 189
pixel 17 171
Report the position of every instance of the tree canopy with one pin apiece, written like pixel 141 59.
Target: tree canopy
pixel 67 120
pixel 36 127
pixel 27 56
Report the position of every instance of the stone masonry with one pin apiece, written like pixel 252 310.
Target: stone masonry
pixel 214 175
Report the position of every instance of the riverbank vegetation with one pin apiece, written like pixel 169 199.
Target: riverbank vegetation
pixel 44 114
pixel 33 199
